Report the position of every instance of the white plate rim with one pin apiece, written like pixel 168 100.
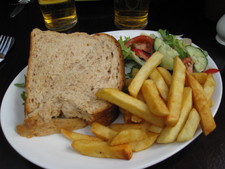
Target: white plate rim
pixel 66 157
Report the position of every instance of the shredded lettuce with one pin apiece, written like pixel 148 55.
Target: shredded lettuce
pixel 175 43
pixel 131 60
pixel 128 54
pixel 22 85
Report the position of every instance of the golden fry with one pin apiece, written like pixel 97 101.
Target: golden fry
pixel 134 72
pixel 144 72
pixel 160 83
pixel 209 88
pixel 126 115
pixel 155 103
pixel 130 118
pixel 166 75
pixel 176 92
pixel 77 136
pixel 200 77
pixel 120 127
pixel 141 97
pixel 202 105
pixel 102 149
pixel 155 129
pixel 127 82
pixel 169 133
pixel 128 136
pixel 190 126
pixel 144 144
pixel 130 104
pixel 102 131
pixel 136 119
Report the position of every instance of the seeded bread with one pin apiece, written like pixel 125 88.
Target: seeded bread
pixel 64 73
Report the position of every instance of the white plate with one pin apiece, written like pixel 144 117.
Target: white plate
pixel 55 152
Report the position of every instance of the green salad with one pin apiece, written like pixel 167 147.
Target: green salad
pixel 138 49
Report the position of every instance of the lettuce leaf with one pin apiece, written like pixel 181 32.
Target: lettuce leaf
pixel 175 43
pixel 131 60
pixel 128 54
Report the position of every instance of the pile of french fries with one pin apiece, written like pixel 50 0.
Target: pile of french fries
pixel 161 107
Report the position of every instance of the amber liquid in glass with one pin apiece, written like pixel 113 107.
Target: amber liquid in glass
pixel 59 15
pixel 131 14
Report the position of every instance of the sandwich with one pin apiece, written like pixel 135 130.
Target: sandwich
pixel 64 72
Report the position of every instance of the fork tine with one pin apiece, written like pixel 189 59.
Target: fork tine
pixel 12 42
pixel 8 46
pixel 2 42
pixel 5 45
pixel 5 42
pixel 1 38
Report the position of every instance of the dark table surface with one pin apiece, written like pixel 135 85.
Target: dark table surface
pixel 192 19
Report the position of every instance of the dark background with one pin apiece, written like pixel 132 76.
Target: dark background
pixel 194 19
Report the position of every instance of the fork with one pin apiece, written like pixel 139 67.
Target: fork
pixel 20 2
pixel 6 43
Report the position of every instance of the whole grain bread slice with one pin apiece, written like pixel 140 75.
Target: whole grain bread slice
pixel 64 73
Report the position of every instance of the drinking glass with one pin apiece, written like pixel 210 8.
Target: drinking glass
pixel 59 15
pixel 131 14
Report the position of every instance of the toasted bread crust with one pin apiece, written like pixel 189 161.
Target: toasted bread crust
pixel 34 127
pixel 47 118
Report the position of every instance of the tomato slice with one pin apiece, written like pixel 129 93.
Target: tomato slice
pixel 141 42
pixel 212 70
pixel 141 54
pixel 188 62
pixel 139 39
pixel 143 46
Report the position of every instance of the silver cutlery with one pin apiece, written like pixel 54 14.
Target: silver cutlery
pixel 19 7
pixel 6 43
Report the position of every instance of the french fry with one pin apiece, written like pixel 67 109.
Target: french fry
pixel 144 144
pixel 199 76
pixel 169 134
pixel 166 75
pixel 130 104
pixel 144 72
pixel 126 115
pixel 155 103
pixel 102 149
pixel 155 129
pixel 102 131
pixel 141 97
pixel 77 136
pixel 160 83
pixel 190 127
pixel 202 105
pixel 127 82
pixel 134 72
pixel 128 136
pixel 130 118
pixel 120 126
pixel 209 88
pixel 176 92
pixel 136 119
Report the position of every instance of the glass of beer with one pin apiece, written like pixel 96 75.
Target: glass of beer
pixel 131 14
pixel 59 15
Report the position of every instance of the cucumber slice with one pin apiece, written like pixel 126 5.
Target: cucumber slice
pixel 157 43
pixel 168 52
pixel 198 57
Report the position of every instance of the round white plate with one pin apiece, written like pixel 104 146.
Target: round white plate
pixel 55 151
